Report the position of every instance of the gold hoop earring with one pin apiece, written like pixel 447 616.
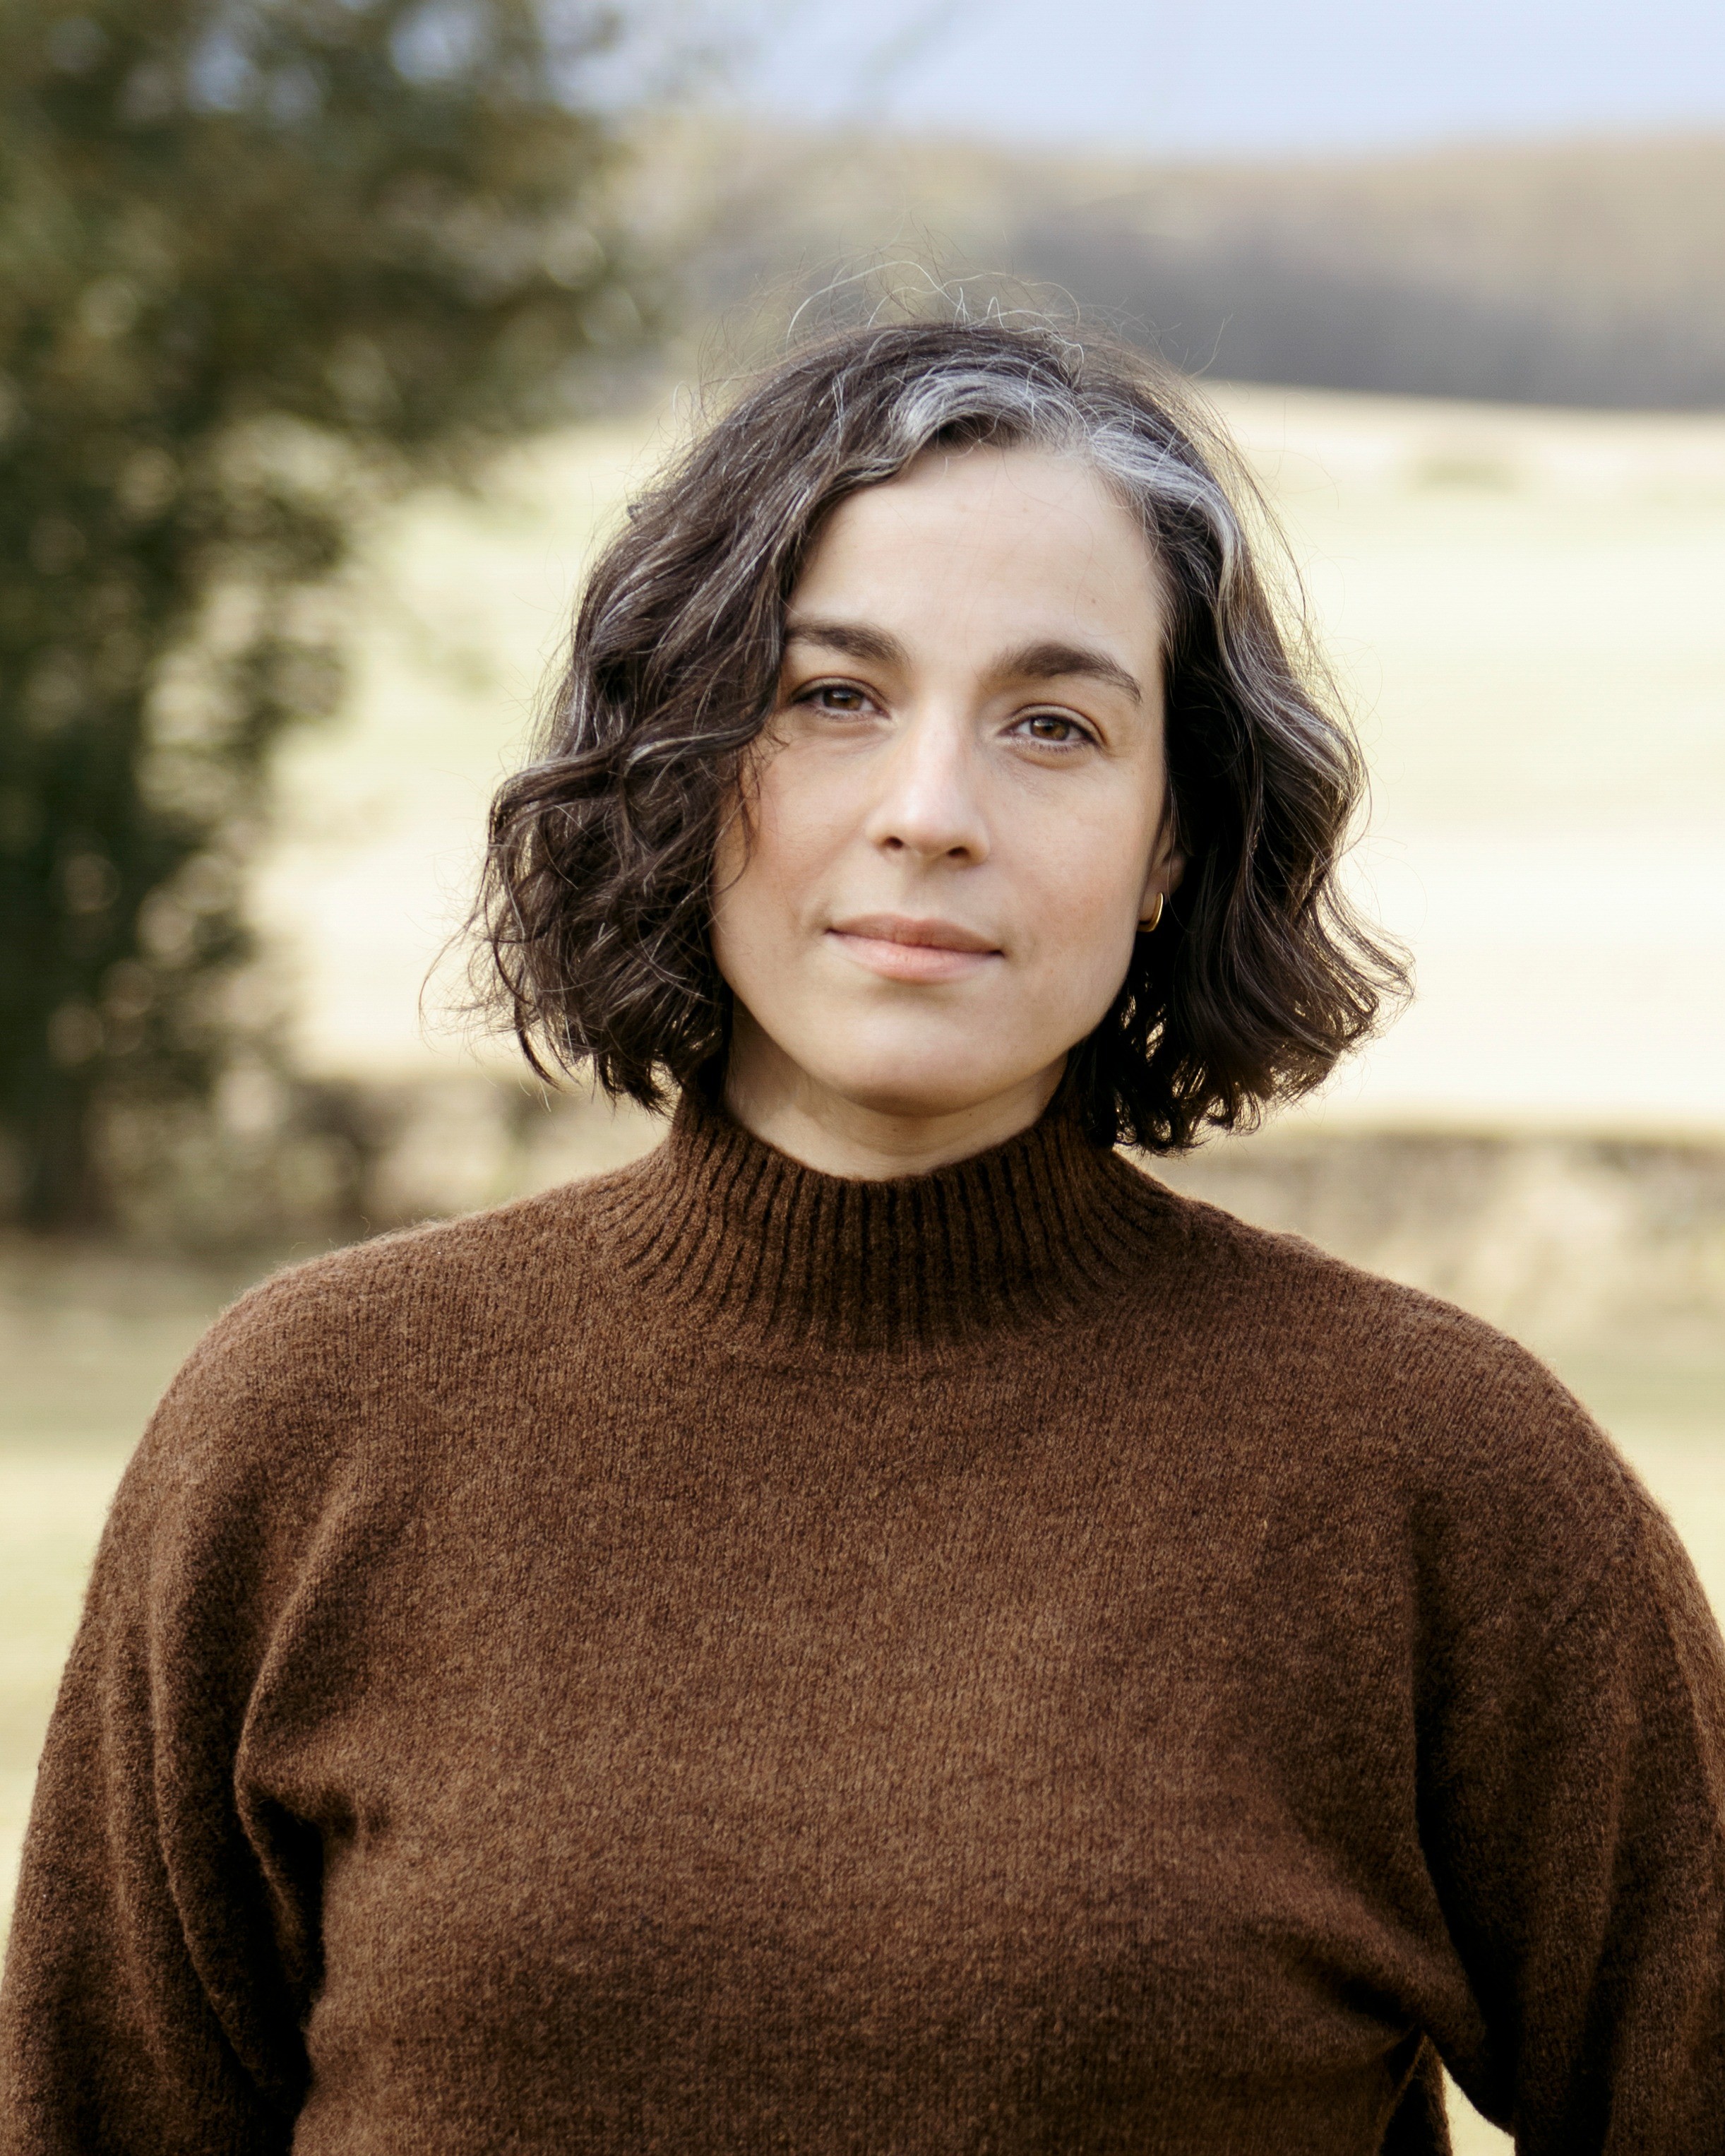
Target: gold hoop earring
pixel 1152 919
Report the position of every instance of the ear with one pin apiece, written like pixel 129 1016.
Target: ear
pixel 1168 865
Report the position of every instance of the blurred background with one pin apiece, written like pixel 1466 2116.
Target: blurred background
pixel 334 334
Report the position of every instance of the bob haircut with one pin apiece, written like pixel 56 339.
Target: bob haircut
pixel 595 907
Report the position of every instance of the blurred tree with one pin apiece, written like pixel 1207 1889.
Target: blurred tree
pixel 258 259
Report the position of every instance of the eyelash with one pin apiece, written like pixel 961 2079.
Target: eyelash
pixel 815 690
pixel 1081 732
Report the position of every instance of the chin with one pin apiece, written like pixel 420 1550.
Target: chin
pixel 919 1089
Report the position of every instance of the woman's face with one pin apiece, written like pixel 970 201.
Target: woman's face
pixel 958 811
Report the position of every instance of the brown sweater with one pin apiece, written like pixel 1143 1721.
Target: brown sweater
pixel 719 1658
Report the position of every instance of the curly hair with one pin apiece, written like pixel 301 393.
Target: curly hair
pixel 595 907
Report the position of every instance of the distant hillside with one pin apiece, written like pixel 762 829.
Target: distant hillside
pixel 1583 273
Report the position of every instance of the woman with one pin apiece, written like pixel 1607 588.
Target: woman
pixel 881 1628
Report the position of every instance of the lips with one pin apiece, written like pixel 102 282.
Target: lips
pixel 929 935
pixel 897 947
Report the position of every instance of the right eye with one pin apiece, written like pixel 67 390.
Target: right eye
pixel 844 699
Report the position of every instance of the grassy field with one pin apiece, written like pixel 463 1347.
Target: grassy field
pixel 1523 608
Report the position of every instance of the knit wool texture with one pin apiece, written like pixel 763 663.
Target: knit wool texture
pixel 720 1658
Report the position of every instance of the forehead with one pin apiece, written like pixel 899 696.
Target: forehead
pixel 999 530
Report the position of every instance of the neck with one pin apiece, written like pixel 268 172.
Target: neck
pixel 775 1100
pixel 734 1238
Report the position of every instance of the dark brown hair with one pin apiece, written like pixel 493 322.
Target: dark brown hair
pixel 596 902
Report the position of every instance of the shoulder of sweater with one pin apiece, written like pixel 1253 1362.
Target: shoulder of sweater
pixel 1440 1397
pixel 306 1351
pixel 426 1272
pixel 1239 1269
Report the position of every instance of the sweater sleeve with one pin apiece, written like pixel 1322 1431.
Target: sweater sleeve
pixel 159 1968
pixel 1576 1827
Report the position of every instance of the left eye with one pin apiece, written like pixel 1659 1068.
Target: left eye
pixel 836 696
pixel 1052 727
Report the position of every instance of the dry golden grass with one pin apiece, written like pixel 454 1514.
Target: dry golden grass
pixel 1522 608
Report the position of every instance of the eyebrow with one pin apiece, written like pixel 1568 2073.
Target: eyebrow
pixel 1051 661
pixel 1047 659
pixel 853 639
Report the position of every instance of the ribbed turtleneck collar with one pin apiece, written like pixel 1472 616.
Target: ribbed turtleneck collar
pixel 731 1231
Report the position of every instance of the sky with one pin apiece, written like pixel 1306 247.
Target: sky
pixel 1232 77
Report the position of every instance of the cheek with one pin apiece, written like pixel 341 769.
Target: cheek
pixel 766 868
pixel 1082 890
pixel 1081 903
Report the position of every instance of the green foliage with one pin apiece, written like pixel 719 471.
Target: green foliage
pixel 258 259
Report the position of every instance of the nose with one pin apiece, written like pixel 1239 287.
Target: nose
pixel 929 802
